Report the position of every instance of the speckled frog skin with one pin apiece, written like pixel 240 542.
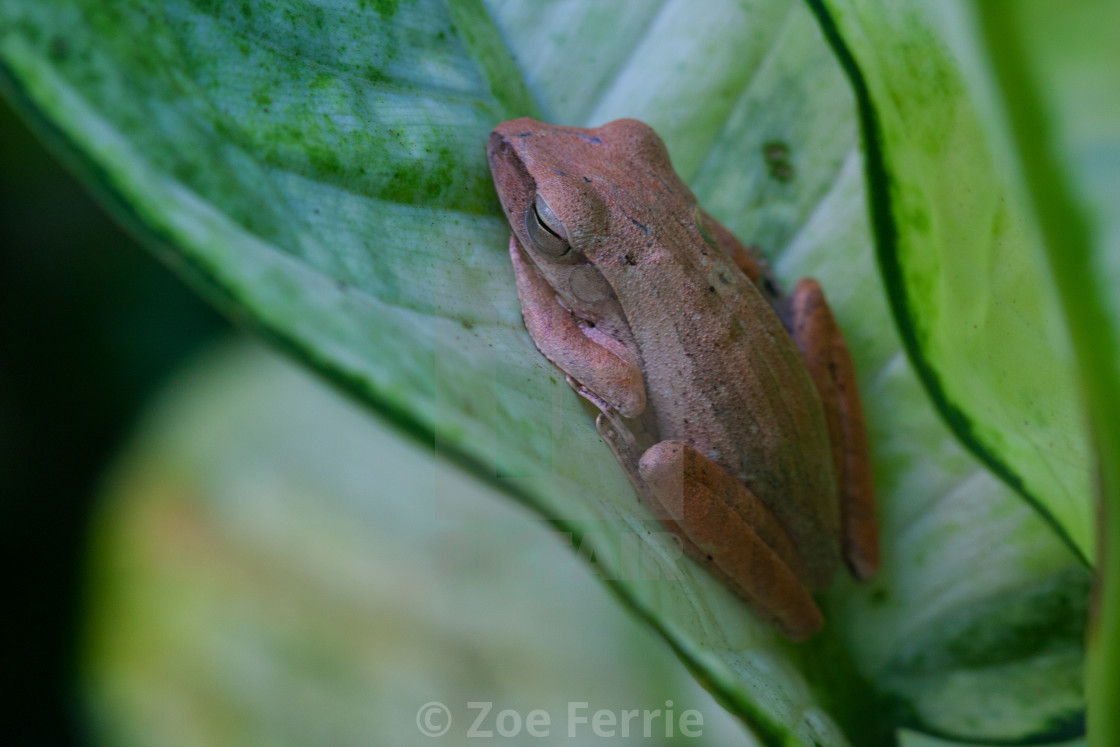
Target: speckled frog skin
pixel 731 406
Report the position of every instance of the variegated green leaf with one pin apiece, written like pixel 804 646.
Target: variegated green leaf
pixel 318 171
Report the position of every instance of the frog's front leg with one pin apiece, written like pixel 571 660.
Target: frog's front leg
pixel 601 364
pixel 726 528
pixel 830 365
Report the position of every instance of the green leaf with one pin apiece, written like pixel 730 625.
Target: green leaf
pixel 913 739
pixel 319 172
pixel 271 566
pixel 975 628
pixel 1064 120
pixel 961 260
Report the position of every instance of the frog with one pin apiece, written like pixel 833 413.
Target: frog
pixel 731 405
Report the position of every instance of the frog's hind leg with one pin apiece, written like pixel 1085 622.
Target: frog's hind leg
pixel 731 533
pixel 830 365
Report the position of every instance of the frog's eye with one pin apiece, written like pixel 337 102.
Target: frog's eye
pixel 545 230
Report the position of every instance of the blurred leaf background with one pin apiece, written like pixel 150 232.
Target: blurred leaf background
pixel 90 324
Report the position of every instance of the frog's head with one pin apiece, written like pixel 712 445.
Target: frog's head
pixel 589 206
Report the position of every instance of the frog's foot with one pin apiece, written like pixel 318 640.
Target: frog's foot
pixel 727 529
pixel 830 365
pixel 625 448
pixel 588 395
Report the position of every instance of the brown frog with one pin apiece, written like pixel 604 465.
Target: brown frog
pixel 732 407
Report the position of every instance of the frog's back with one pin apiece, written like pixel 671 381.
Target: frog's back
pixel 740 393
